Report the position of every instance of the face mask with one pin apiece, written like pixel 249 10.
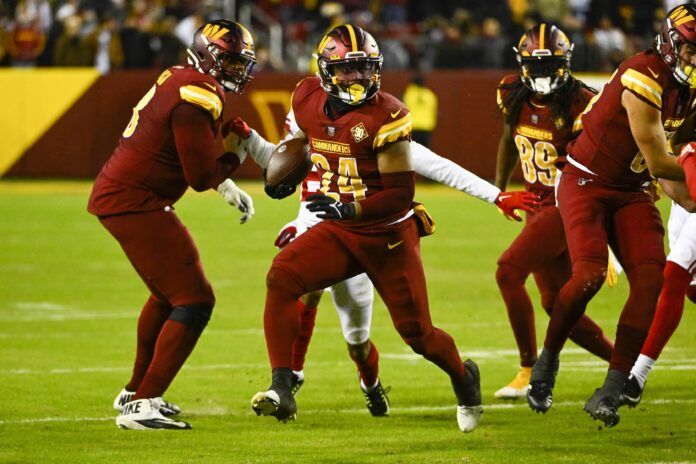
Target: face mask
pixel 687 74
pixel 541 85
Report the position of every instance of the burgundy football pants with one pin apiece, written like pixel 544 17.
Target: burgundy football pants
pixel 327 254
pixel 594 215
pixel 541 249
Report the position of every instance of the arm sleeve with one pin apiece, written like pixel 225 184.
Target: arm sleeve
pixel 261 149
pixel 399 188
pixel 431 165
pixel 195 143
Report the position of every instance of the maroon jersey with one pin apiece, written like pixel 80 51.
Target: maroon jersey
pixel 606 147
pixel 145 172
pixel 541 139
pixel 344 150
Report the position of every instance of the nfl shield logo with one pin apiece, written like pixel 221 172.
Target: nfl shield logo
pixel 535 119
pixel 331 130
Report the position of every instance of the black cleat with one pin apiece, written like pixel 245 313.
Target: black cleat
pixel 603 406
pixel 470 407
pixel 376 399
pixel 542 381
pixel 297 383
pixel 277 403
pixel 632 393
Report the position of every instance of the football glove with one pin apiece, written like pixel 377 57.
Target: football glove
pixel 508 202
pixel 235 135
pixel 328 208
pixel 286 235
pixel 237 197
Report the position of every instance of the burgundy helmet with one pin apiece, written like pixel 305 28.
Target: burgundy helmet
pixel 353 52
pixel 678 28
pixel 224 50
pixel 543 54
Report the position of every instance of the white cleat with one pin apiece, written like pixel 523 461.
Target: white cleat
pixel 518 388
pixel 269 403
pixel 468 417
pixel 145 415
pixel 166 408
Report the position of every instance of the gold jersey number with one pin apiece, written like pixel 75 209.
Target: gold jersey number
pixel 537 161
pixel 348 182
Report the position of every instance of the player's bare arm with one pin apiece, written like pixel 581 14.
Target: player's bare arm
pixel 506 159
pixel 647 130
pixel 678 192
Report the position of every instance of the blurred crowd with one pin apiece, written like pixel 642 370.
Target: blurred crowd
pixel 413 34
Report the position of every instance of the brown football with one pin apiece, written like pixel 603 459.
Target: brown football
pixel 289 163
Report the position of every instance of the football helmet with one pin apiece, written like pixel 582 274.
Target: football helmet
pixel 543 55
pixel 224 50
pixel 678 28
pixel 350 64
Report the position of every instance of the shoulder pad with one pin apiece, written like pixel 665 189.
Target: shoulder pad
pixel 204 96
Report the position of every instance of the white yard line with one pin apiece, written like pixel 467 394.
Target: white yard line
pixel 395 410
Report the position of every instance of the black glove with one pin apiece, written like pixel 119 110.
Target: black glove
pixel 328 208
pixel 278 192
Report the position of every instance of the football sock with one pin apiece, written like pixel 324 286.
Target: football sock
pixel 307 317
pixel 299 374
pixel 642 368
pixel 589 336
pixel 626 348
pixel 368 367
pixel 280 320
pixel 614 382
pixel 152 317
pixel 520 311
pixel 547 363
pixel 587 279
pixel 670 307
pixel 175 343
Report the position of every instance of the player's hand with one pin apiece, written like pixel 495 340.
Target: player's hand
pixel 237 197
pixel 508 202
pixel 687 152
pixel 235 133
pixel 279 191
pixel 286 235
pixel 328 208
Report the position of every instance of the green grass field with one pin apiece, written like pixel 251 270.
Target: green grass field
pixel 69 302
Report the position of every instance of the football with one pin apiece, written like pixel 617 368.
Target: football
pixel 289 163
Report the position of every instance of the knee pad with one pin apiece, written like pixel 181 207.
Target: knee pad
pixel 278 278
pixel 195 316
pixel 508 274
pixel 356 336
pixel 548 299
pixel 413 334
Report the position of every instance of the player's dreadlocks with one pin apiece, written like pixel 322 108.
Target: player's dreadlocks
pixel 560 101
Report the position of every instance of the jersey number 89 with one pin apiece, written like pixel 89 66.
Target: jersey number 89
pixel 537 161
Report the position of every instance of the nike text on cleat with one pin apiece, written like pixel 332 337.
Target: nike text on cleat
pixel 518 388
pixel 277 404
pixel 145 414
pixel 632 393
pixel 376 399
pixel 297 383
pixel 470 409
pixel 603 406
pixel 166 408
pixel 542 380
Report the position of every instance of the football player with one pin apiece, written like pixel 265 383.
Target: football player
pixel 359 139
pixel 678 273
pixel 601 199
pixel 353 298
pixel 168 146
pixel 539 106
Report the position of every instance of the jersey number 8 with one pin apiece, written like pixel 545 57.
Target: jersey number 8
pixel 537 161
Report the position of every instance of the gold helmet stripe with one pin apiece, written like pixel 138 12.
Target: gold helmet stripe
pixel 542 34
pixel 322 44
pixel 246 36
pixel 353 40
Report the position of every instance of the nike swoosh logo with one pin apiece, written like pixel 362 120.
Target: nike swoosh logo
pixel 654 74
pixel 393 115
pixel 503 197
pixel 211 86
pixel 391 246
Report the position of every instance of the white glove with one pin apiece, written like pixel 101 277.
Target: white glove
pixel 237 197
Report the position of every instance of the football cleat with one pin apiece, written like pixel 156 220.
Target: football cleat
pixel 145 415
pixel 518 388
pixel 297 383
pixel 470 411
pixel 166 408
pixel 604 405
pixel 542 381
pixel 276 403
pixel 376 399
pixel 632 392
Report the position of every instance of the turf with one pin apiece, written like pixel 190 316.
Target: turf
pixel 69 302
